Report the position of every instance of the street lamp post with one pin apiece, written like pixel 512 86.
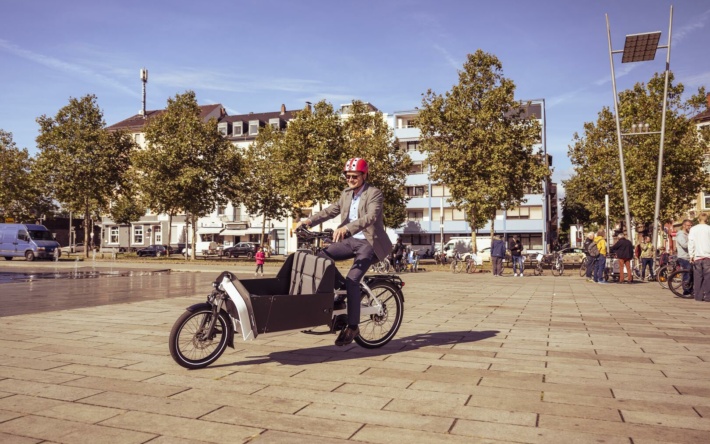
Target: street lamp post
pixel 641 48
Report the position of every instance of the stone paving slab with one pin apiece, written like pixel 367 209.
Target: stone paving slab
pixel 477 359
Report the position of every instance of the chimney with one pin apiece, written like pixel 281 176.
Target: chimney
pixel 283 109
pixel 308 105
pixel 708 100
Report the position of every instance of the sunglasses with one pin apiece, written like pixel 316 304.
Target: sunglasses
pixel 352 176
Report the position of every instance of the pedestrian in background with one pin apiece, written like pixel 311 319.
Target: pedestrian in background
pixel 681 242
pixel 647 258
pixel 516 251
pixel 600 263
pixel 259 256
pixel 590 258
pixel 699 251
pixel 624 250
pixel 497 255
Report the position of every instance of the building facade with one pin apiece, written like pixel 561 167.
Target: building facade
pixel 535 221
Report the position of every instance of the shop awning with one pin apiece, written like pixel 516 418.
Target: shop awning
pixel 209 230
pixel 234 232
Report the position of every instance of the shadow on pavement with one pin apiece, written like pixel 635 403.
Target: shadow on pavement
pixel 331 353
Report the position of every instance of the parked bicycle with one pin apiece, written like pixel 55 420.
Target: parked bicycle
pixel 588 261
pixel 457 263
pixel 663 272
pixel 537 271
pixel 558 265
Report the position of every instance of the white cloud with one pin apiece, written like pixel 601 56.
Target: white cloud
pixel 696 80
pixel 64 66
pixel 217 81
pixel 689 28
pixel 448 57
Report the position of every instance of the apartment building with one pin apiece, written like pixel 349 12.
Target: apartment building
pixel 535 221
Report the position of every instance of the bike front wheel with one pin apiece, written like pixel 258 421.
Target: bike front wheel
pixel 680 287
pixel 583 267
pixel 471 267
pixel 662 276
pixel 377 330
pixel 189 348
pixel 558 269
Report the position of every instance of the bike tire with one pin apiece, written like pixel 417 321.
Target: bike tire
pixel 662 276
pixel 378 330
pixel 471 267
pixel 583 268
pixel 558 269
pixel 675 284
pixel 184 343
pixel 537 271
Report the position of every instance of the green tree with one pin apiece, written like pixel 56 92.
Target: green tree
pixel 21 196
pixel 262 179
pixel 82 163
pixel 595 155
pixel 312 149
pixel 367 135
pixel 479 142
pixel 187 164
pixel 127 205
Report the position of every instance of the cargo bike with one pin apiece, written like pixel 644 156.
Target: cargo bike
pixel 307 292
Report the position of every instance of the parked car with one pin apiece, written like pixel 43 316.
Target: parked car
pixel 76 248
pixel 153 250
pixel 572 255
pixel 241 249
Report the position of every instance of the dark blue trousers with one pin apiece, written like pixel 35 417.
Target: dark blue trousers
pixel 364 255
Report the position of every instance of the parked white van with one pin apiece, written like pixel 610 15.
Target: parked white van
pixel 27 240
pixel 463 246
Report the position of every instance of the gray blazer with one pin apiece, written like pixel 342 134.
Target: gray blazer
pixel 369 219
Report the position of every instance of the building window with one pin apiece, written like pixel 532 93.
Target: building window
pixel 138 138
pixel 275 124
pixel 706 200
pixel 412 146
pixel 237 128
pixel 706 164
pixel 440 191
pixel 424 240
pixel 449 214
pixel 416 191
pixel 220 210
pixel 415 215
pixel 223 128
pixel 138 234
pixel 113 235
pixel 158 233
pixel 417 168
pixel 253 127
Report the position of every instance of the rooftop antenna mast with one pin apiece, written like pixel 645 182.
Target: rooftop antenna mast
pixel 144 79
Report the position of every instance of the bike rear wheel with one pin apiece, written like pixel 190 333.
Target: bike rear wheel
pixel 678 287
pixel 471 266
pixel 583 267
pixel 378 329
pixel 188 348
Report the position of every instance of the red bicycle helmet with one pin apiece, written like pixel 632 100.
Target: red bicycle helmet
pixel 356 164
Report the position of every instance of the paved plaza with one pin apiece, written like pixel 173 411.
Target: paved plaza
pixel 478 359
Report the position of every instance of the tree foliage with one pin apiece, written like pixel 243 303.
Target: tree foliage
pixel 595 156
pixel 479 142
pixel 317 144
pixel 81 163
pixel 187 164
pixel 262 178
pixel 21 196
pixel 312 149
pixel 367 135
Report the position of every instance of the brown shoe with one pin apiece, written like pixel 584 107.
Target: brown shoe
pixel 346 336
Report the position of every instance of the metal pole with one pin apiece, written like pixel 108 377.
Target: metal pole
pixel 627 214
pixel 663 134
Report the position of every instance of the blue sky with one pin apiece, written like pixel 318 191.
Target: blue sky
pixel 255 55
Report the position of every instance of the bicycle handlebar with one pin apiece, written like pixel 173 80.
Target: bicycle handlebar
pixel 304 233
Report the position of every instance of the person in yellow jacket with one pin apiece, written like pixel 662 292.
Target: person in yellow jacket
pixel 600 263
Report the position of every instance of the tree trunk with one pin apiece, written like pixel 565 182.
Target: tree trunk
pixel 263 229
pixel 86 230
pixel 170 227
pixel 474 247
pixel 193 221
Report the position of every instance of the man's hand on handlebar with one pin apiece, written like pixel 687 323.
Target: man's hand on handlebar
pixel 303 222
